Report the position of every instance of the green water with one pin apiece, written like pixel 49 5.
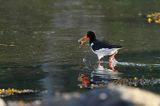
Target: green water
pixel 39 49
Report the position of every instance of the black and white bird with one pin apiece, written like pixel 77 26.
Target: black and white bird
pixel 101 48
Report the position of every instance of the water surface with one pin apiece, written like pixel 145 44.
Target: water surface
pixel 39 49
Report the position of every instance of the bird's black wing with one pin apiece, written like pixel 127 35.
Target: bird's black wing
pixel 97 44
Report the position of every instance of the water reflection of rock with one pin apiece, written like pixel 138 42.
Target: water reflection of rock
pixel 102 77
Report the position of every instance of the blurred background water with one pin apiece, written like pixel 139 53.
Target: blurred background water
pixel 39 48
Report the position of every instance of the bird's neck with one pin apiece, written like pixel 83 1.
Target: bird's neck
pixel 92 41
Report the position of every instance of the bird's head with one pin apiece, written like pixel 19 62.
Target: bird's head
pixel 90 35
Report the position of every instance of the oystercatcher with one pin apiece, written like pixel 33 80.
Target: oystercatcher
pixel 101 48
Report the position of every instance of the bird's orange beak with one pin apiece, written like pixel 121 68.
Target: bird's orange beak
pixel 83 40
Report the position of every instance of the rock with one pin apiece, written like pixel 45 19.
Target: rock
pixel 2 103
pixel 138 96
pixel 112 96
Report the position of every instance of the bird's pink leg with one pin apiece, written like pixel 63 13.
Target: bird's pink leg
pixel 111 62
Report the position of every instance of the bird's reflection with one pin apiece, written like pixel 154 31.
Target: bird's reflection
pixel 111 66
pixel 106 73
pixel 99 77
pixel 102 77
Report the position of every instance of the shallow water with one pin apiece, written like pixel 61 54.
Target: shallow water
pixel 39 48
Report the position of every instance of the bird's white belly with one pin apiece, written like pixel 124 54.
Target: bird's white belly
pixel 104 52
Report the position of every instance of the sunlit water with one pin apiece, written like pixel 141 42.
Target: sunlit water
pixel 40 52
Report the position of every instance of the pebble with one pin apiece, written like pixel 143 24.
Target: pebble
pixel 103 96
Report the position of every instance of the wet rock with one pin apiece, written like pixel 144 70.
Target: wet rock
pixel 137 96
pixel 2 103
pixel 113 96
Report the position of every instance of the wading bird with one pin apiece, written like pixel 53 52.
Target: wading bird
pixel 101 48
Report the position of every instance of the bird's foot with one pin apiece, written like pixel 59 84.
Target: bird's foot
pixel 112 66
